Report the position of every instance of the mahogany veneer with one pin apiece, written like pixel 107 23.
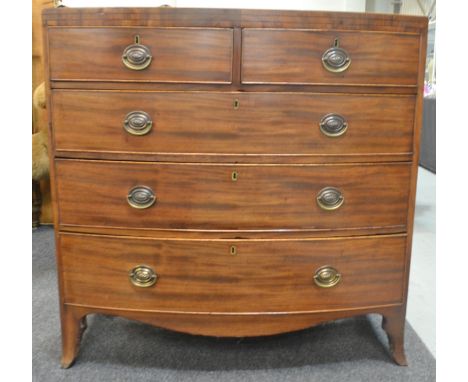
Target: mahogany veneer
pixel 203 196
pixel 180 55
pixel 204 277
pixel 294 56
pixel 195 122
pixel 233 172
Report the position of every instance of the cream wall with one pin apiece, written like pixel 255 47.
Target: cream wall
pixel 328 5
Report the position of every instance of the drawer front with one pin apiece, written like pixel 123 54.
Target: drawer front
pixel 177 54
pixel 295 56
pixel 245 197
pixel 261 123
pixel 203 276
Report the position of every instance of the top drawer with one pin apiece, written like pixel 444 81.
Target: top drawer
pixel 190 55
pixel 278 56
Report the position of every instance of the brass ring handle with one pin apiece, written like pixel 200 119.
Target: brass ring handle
pixel 136 56
pixel 137 123
pixel 141 197
pixel 333 125
pixel 327 277
pixel 330 198
pixel 142 276
pixel 335 59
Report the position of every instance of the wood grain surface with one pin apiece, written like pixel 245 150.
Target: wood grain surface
pixel 295 233
pixel 202 276
pixel 246 18
pixel 228 325
pixel 292 56
pixel 195 196
pixel 204 59
pixel 235 86
pixel 179 55
pixel 207 123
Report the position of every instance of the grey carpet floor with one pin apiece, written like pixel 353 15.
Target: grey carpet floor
pixel 115 349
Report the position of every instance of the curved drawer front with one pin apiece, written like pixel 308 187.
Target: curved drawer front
pixel 203 276
pixel 297 57
pixel 261 123
pixel 244 197
pixel 166 54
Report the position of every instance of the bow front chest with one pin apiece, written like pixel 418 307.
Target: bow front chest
pixel 233 172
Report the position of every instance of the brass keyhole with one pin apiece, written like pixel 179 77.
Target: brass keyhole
pixel 233 250
pixel 234 176
pixel 236 104
pixel 137 39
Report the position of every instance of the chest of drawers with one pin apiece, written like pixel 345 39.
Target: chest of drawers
pixel 233 172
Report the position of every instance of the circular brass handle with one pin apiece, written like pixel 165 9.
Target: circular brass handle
pixel 336 60
pixel 137 123
pixel 330 198
pixel 136 56
pixel 141 197
pixel 142 276
pixel 333 125
pixel 327 277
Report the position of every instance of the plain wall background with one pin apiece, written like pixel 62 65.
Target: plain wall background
pixel 325 5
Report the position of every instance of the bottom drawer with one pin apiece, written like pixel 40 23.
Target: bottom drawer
pixel 232 276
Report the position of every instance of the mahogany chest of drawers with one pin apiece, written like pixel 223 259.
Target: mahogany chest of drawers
pixel 233 172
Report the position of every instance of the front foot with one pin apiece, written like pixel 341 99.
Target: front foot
pixel 73 328
pixel 398 354
pixel 394 324
pixel 65 363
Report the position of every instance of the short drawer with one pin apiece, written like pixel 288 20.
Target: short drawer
pixel 231 197
pixel 232 123
pixel 204 276
pixel 352 58
pixel 153 54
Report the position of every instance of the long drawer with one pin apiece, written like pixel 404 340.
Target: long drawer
pixel 205 276
pixel 152 54
pixel 232 123
pixel 297 57
pixel 244 197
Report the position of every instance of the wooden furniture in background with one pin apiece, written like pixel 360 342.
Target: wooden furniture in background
pixel 41 203
pixel 233 172
pixel 36 203
pixel 38 50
